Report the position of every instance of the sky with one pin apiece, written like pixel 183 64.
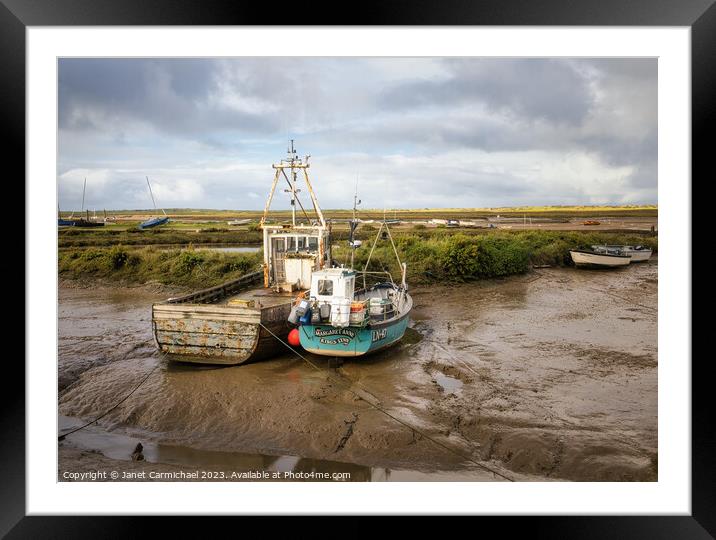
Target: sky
pixel 412 132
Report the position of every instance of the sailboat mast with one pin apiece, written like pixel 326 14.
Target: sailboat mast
pixel 150 193
pixel 84 188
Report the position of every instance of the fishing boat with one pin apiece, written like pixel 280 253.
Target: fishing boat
pixel 245 319
pixel 638 253
pixel 153 221
pixel 600 257
pixel 336 318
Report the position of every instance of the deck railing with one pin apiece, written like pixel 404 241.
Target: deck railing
pixel 214 294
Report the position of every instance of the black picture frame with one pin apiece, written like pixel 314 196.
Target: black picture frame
pixel 699 15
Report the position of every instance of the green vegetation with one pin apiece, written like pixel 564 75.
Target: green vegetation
pixel 177 235
pixel 432 255
pixel 188 267
pixel 447 256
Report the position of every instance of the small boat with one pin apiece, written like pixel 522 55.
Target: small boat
pixel 591 222
pixel 602 257
pixel 65 222
pixel 336 319
pixel 235 222
pixel 85 222
pixel 638 253
pixel 153 221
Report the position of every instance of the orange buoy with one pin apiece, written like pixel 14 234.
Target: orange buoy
pixel 293 338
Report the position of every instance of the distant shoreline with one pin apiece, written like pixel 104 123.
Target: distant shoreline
pixel 562 211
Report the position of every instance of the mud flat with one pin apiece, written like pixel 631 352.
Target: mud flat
pixel 547 376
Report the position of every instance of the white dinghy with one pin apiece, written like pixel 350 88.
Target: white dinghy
pixel 638 253
pixel 600 257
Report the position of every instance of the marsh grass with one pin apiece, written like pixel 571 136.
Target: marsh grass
pixel 450 256
pixel 431 255
pixel 183 267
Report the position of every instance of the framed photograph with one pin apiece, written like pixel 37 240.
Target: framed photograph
pixel 410 266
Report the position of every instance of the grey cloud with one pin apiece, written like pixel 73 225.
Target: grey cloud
pixel 641 69
pixel 623 151
pixel 179 118
pixel 171 95
pixel 533 88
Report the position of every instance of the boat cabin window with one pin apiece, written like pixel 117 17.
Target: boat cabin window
pixel 350 285
pixel 291 243
pixel 312 243
pixel 325 287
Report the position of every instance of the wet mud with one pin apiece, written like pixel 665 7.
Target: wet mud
pixel 547 376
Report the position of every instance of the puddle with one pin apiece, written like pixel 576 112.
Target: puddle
pixel 117 446
pixel 449 385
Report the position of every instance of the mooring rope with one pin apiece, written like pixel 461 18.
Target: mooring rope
pixel 125 398
pixel 388 414
pixel 623 299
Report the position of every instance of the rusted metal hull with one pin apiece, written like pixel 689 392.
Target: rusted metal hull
pixel 211 334
pixel 200 328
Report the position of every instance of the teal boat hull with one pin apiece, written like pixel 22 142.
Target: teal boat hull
pixel 352 340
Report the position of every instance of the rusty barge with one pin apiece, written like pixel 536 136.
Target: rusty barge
pixel 238 321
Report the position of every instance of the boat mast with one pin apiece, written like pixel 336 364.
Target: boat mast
pixel 354 222
pixel 83 195
pixel 152 195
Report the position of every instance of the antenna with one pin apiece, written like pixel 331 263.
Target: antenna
pixel 354 244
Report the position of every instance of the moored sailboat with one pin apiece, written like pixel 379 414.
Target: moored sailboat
pixel 153 221
pixel 85 222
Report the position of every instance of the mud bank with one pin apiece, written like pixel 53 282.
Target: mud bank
pixel 549 376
